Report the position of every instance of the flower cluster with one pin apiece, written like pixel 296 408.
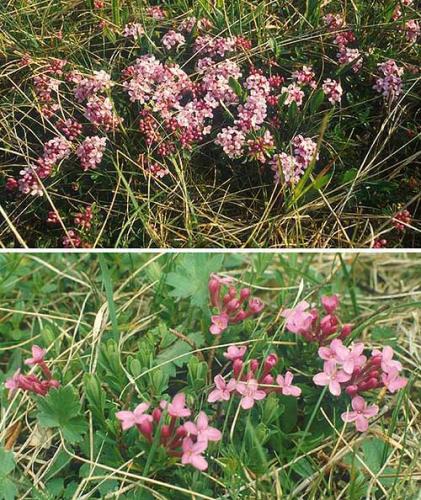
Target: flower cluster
pixel 347 368
pixel 390 85
pixel 402 219
pixel 342 39
pixel 250 381
pixel 90 152
pixel 293 166
pixel 187 440
pixel 83 219
pixel 333 90
pixel 31 382
pixel 308 323
pixel 230 305
pixel 172 39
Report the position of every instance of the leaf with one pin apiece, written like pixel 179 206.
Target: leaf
pixel 190 280
pixel 236 87
pixel 61 409
pixel 316 101
pixel 8 490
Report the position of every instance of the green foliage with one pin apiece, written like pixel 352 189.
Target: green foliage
pixel 190 278
pixel 8 490
pixel 61 409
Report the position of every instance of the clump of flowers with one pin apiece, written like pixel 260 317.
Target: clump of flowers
pixel 333 90
pixel 83 219
pixel 293 166
pixel 172 39
pixel 402 219
pixel 390 85
pixel 232 306
pixel 251 382
pixel 33 383
pixel 307 322
pixel 348 369
pixel 188 439
pixel 90 152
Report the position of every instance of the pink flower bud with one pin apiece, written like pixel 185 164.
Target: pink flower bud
pixel 352 390
pixel 145 427
pixel 240 316
pixel 328 325
pixel 232 292
pixel 254 365
pixel 214 287
pixel 165 432
pixel 372 383
pixel 244 294
pixel 181 431
pixel 330 303
pixel 376 360
pixel 237 366
pixel 255 306
pixel 156 414
pixel 373 374
pixel 270 362
pixel 232 305
pixel 267 380
pixel 346 330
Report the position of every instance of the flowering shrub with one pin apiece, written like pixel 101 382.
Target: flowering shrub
pixel 186 92
pixel 155 396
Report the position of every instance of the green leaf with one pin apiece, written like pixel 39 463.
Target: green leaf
pixel 316 101
pixel 190 280
pixel 236 87
pixel 61 409
pixel 8 490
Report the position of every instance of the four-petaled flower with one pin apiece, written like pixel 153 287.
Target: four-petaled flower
pixel 388 364
pixel 362 412
pixel 393 381
pixel 38 354
pixel 129 419
pixel 250 393
pixel 285 383
pixel 202 430
pixel 219 323
pixel 352 358
pixel 332 377
pixel 177 407
pixel 223 390
pixel 298 320
pixel 330 303
pixel 234 352
pixel 192 454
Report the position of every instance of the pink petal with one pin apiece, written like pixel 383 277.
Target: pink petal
pixel 191 428
pixel 140 409
pixel 280 381
pixel 292 390
pixel 179 400
pixel 334 388
pixel 232 384
pixel 247 402
pixel 349 416
pixel 199 462
pixel 321 378
pixel 219 382
pixel 214 396
pixel 126 418
pixel 371 411
pixel 361 423
pixel 214 434
pixel 259 395
pixel 202 421
pixel 324 353
pixel 358 403
pixel 288 378
pixel 342 376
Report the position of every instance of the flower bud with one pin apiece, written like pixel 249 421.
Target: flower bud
pixel 255 306
pixel 346 330
pixel 244 294
pixel 352 390
pixel 267 380
pixel 254 365
pixel 214 287
pixel 270 362
pixel 232 305
pixel 237 366
pixel 156 414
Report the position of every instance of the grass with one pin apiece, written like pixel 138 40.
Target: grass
pixel 369 151
pixel 125 328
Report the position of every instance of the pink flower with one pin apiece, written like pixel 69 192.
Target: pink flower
pixel 177 407
pixel 332 377
pixel 333 90
pixel 255 306
pixel 297 319
pixel 192 454
pixel 393 381
pixel 387 363
pixel 37 356
pixel 332 352
pixel 351 359
pixel 285 383
pixel 234 352
pixel 250 392
pixel 362 412
pixel 219 323
pixel 172 39
pixel 137 417
pixel 330 303
pixel 13 384
pixel 202 430
pixel 223 390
